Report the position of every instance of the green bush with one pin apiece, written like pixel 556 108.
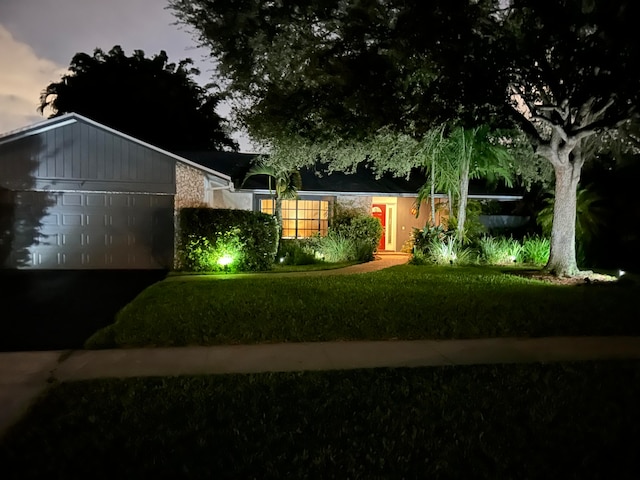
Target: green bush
pixel 435 245
pixel 295 252
pixel 449 252
pixel 335 247
pixel 536 250
pixel 500 250
pixel 247 240
pixel 423 238
pixel 357 225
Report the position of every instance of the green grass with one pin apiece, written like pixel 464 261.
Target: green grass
pixel 277 268
pixel 405 302
pixel 564 421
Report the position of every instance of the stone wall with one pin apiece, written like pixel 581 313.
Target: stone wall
pixel 189 187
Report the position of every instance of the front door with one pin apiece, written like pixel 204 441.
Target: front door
pixel 379 211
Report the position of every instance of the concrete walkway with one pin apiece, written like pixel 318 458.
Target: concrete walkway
pixel 26 375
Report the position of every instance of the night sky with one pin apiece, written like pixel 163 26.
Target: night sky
pixel 38 38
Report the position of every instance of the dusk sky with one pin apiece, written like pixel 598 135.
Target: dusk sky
pixel 38 38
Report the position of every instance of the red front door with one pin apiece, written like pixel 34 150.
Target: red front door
pixel 379 211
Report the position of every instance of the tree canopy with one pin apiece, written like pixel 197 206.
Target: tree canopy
pixel 321 68
pixel 148 98
pixel 562 70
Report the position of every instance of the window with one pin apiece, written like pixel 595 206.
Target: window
pixel 300 218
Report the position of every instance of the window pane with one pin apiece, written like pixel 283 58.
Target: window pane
pixel 301 218
pixel 266 206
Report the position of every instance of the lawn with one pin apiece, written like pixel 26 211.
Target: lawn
pixel 538 421
pixel 404 302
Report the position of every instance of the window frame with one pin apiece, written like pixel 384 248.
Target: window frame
pixel 316 198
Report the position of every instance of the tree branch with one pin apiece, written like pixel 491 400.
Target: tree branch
pixel 556 128
pixel 525 124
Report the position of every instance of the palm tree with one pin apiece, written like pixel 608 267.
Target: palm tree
pixel 476 156
pixel 283 185
pixel 453 160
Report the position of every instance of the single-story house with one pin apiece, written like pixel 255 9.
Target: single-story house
pixel 391 200
pixel 76 194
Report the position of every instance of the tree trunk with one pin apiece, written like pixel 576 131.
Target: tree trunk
pixel 433 191
pixel 562 259
pixel 464 194
pixel 277 211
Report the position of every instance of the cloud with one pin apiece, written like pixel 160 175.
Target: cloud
pixel 23 76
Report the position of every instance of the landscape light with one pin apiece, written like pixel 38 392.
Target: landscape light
pixel 621 273
pixel 225 260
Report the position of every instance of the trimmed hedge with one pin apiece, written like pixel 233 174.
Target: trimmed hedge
pixel 206 234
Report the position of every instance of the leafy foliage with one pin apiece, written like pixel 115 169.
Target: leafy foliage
pixel 500 250
pixel 406 67
pixel 535 250
pixel 358 225
pixel 294 251
pixel 207 234
pixel 334 247
pixel 222 254
pixel 284 182
pixel 148 98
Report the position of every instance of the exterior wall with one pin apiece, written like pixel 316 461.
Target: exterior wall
pixel 189 187
pixel 77 196
pixel 404 216
pixel 407 219
pixel 357 201
pixel 236 200
pixel 80 156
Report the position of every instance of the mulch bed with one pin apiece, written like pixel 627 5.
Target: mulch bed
pixel 582 279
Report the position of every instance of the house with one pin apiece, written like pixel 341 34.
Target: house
pixel 76 194
pixel 391 200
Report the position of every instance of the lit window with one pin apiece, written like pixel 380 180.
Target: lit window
pixel 301 218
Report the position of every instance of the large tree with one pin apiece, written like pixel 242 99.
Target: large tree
pixel 148 98
pixel 563 70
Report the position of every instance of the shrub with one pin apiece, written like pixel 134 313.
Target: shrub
pixel 435 245
pixel 206 235
pixel 361 228
pixel 536 250
pixel 423 238
pixel 224 253
pixel 449 252
pixel 335 247
pixel 500 250
pixel 296 252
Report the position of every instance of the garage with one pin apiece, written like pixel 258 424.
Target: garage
pixel 75 194
pixel 92 230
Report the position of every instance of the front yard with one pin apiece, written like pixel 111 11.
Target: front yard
pixel 405 302
pixel 535 421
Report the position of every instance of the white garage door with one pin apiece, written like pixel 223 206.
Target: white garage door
pixel 87 230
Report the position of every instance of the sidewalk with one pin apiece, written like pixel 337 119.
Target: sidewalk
pixel 25 375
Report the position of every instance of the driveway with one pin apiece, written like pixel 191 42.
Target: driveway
pixel 59 310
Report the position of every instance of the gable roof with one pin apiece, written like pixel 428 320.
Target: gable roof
pixel 362 182
pixel 69 118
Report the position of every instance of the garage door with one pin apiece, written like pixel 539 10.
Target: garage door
pixel 87 230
